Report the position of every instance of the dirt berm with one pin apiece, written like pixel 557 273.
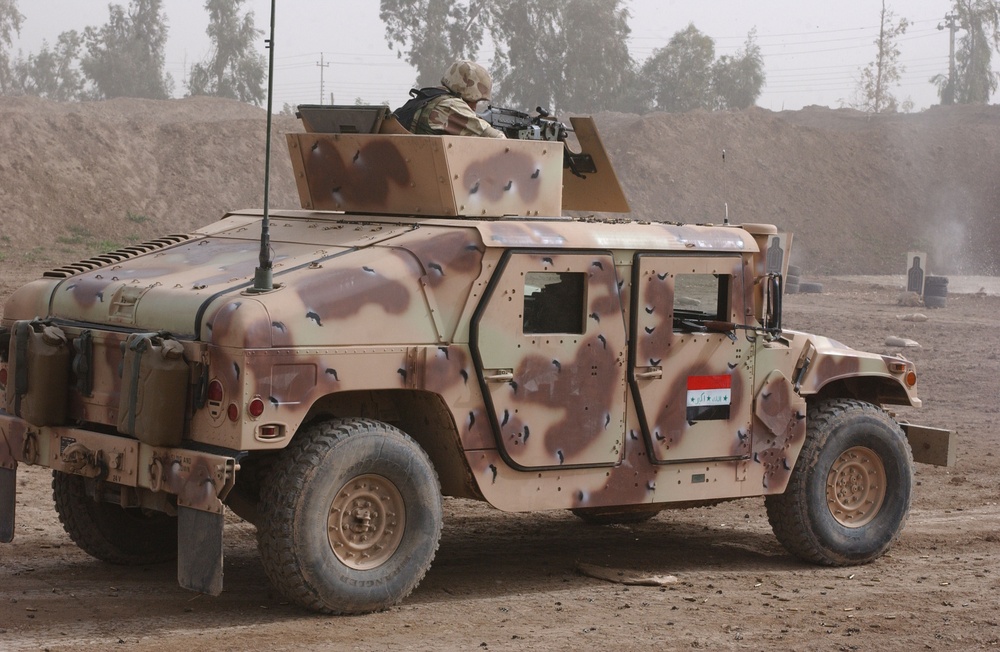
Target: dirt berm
pixel 857 190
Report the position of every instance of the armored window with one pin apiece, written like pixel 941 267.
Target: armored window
pixel 700 297
pixel 554 302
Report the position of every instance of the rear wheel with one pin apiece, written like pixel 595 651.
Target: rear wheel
pixel 350 517
pixel 849 495
pixel 111 533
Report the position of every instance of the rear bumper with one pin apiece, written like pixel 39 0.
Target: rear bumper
pixel 200 480
pixel 192 483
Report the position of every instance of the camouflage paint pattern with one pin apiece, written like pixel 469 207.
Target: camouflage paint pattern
pixel 419 319
pixel 427 175
pixel 388 304
pixel 557 399
pixel 199 480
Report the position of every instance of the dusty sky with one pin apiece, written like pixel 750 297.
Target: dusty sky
pixel 813 52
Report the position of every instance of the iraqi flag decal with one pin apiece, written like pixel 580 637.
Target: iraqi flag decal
pixel 708 397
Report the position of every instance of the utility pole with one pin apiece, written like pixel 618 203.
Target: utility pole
pixel 951 22
pixel 322 90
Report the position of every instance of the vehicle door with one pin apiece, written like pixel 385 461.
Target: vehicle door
pixel 549 340
pixel 690 366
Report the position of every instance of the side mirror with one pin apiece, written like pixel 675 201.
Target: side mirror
pixel 773 290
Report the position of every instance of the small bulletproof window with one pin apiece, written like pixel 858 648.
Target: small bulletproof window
pixel 700 297
pixel 554 302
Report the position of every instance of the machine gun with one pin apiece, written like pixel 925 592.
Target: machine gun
pixel 521 126
pixel 517 125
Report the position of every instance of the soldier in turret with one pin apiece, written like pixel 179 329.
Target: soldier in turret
pixel 450 109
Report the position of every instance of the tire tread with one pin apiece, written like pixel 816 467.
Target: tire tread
pixel 81 516
pixel 278 503
pixel 788 514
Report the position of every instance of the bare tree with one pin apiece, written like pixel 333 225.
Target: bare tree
pixel 879 76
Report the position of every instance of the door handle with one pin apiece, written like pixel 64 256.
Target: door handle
pixel 501 376
pixel 653 374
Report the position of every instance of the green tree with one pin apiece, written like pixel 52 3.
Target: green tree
pixel 431 34
pixel 10 24
pixel 526 69
pixel 559 54
pixel 678 76
pixel 53 72
pixel 567 55
pixel 235 69
pixel 879 76
pixel 738 80
pixel 125 56
pixel 599 71
pixel 975 80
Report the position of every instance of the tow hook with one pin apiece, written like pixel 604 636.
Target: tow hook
pixel 82 461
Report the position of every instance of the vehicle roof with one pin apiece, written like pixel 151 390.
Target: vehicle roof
pixel 559 232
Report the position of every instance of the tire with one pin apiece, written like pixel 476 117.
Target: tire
pixel 128 536
pixel 935 291
pixel 791 288
pixel 355 484
pixel 793 279
pixel 614 516
pixel 794 270
pixel 935 282
pixel 845 440
pixel 810 288
pixel 932 301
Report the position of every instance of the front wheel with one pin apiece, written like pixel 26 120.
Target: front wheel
pixel 350 517
pixel 849 495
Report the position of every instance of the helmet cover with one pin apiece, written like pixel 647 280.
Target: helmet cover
pixel 468 80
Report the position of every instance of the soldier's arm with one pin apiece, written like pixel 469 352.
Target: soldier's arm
pixel 455 118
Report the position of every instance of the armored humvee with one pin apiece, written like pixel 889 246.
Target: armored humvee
pixel 437 327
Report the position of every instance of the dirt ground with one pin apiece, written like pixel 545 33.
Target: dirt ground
pixel 858 192
pixel 510 581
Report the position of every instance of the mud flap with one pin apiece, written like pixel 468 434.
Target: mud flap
pixel 8 495
pixel 199 550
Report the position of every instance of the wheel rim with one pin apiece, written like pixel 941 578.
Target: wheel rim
pixel 366 522
pixel 856 487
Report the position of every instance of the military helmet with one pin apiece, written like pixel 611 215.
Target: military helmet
pixel 468 80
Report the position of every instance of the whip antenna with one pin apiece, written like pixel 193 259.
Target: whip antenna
pixel 262 276
pixel 725 220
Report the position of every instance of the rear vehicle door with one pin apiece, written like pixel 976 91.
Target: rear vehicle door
pixel 550 345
